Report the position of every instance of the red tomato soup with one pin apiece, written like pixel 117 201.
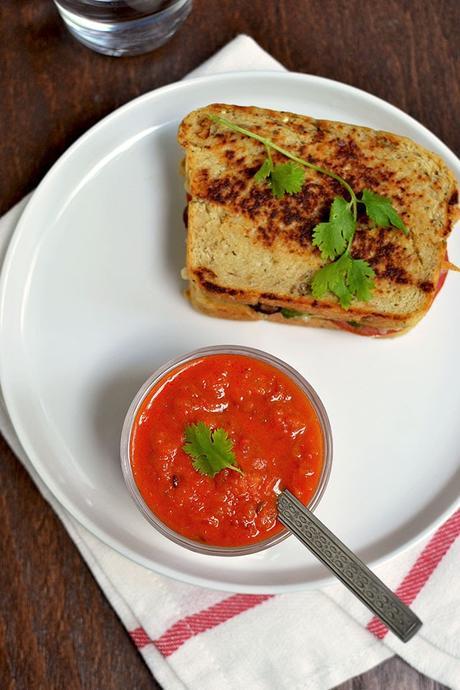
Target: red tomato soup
pixel 276 435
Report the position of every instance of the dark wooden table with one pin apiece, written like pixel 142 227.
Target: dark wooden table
pixel 56 628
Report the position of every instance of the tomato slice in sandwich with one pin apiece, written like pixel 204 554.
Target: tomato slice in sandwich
pixel 365 330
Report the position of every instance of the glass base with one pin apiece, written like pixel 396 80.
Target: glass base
pixel 135 37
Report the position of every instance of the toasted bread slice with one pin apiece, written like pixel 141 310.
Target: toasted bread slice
pixel 248 250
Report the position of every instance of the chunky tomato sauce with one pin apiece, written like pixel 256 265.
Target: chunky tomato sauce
pixel 276 436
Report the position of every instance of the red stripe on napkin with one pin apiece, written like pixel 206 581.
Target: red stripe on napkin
pixel 140 637
pixel 204 620
pixel 423 568
pixel 197 623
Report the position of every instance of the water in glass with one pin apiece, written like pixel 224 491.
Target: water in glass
pixel 123 27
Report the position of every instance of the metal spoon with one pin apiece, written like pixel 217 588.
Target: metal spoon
pixel 347 567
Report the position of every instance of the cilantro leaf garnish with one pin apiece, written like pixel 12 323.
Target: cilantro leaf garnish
pixel 286 178
pixel 360 279
pixel 283 178
pixel 346 278
pixel 332 237
pixel 381 211
pixel 265 170
pixel 332 278
pixel 211 450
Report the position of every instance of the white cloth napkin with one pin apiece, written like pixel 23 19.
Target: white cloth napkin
pixel 203 640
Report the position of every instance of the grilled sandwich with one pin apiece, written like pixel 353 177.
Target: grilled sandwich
pixel 250 254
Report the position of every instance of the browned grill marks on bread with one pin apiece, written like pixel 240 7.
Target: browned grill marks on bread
pixel 426 286
pixel 386 256
pixel 205 277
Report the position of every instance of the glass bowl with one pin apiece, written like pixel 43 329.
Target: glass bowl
pixel 125 447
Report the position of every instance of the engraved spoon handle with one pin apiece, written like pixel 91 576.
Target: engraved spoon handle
pixel 347 567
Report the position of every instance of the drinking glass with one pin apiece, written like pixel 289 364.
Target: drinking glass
pixel 123 27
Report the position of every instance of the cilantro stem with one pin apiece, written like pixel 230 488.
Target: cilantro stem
pixel 271 145
pixel 269 153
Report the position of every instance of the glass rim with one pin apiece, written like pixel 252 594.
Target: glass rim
pixel 161 372
pixel 157 14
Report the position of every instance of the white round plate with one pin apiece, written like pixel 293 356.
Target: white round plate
pixel 92 303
